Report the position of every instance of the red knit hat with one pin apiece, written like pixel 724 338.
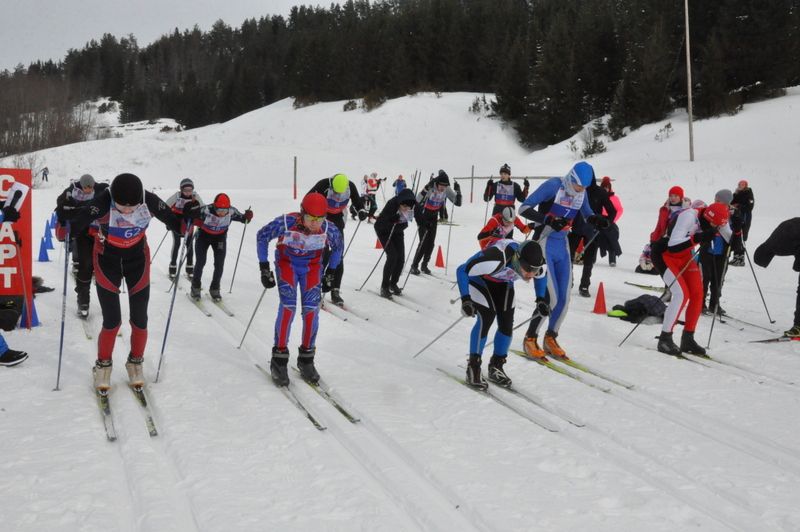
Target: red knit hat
pixel 676 190
pixel 606 182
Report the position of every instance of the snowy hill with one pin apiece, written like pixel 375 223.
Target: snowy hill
pixel 691 446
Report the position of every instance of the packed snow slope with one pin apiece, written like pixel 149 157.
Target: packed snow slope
pixel 691 446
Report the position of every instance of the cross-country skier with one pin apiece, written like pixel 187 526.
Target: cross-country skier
pixel 743 201
pixel 390 228
pixel 339 191
pixel 80 190
pixel 10 357
pixel 429 200
pixel 486 284
pixel 501 226
pixel 213 222
pixel 399 184
pixel 302 238
pixel 560 200
pixel 177 202
pixel 714 254
pixel 504 191
pixel 690 227
pixel 123 211
pixel 784 241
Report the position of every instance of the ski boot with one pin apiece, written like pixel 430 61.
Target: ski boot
pixel 495 372
pixel 688 344
pixel 551 346
pixel 195 293
pixel 531 347
pixel 278 366
pixel 189 270
pixel 215 295
pixel 173 271
pixel 474 377
pixel 102 376
pixel 83 311
pixel 305 363
pixel 386 292
pixel 794 332
pixel 737 260
pixel 336 299
pixel 583 291
pixel 135 375
pixel 719 310
pixel 414 270
pixel 12 357
pixel 666 345
pixel 424 269
pixel 394 289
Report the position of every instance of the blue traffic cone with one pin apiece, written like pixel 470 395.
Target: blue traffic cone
pixel 48 227
pixel 53 219
pixel 23 324
pixel 48 239
pixel 43 252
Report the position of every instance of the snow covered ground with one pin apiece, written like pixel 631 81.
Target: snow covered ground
pixel 691 446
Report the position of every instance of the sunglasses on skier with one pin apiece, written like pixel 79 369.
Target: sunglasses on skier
pixel 314 218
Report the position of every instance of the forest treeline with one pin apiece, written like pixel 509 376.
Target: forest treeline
pixel 554 65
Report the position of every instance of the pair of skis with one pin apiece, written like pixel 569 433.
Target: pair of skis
pixel 104 405
pixel 324 391
pixel 202 308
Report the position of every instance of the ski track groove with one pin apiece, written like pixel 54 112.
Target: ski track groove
pixel 428 503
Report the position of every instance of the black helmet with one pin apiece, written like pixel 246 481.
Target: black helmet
pixel 530 256
pixel 442 178
pixel 127 189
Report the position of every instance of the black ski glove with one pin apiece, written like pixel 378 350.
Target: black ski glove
pixel 601 222
pixel 327 281
pixel 704 237
pixel 456 186
pixel 542 308
pixel 468 307
pixel 557 223
pixel 525 183
pixel 267 277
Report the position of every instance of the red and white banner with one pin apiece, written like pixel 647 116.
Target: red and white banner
pixel 15 238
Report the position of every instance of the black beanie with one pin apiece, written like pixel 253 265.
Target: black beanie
pixel 442 178
pixel 126 189
pixel 530 255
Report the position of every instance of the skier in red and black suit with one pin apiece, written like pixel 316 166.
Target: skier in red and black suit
pixel 500 226
pixel 390 228
pixel 505 192
pixel 338 191
pixel 690 227
pixel 84 189
pixel 429 200
pixel 213 222
pixel 186 194
pixel 123 211
pixel 302 238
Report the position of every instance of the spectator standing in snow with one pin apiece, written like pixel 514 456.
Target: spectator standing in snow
pixel 743 202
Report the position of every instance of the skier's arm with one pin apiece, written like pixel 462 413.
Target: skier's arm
pixel 336 244
pixel 488 194
pixel 160 210
pixel 484 262
pixel 608 205
pixel 586 209
pixel 321 186
pixel 269 232
pixel 81 216
pixel 170 201
pixel 544 192
pixel 519 194
pixel 237 215
pixel 355 197
pixel 454 194
pixel 489 228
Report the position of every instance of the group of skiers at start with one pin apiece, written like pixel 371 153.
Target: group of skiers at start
pixel 107 225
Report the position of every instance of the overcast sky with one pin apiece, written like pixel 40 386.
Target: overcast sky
pixel 46 29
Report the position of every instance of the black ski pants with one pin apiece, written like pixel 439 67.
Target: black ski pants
pixel 589 257
pixel 395 249
pixel 338 273
pixel 713 268
pixel 427 238
pixel 218 245
pixel 177 241
pixel 83 280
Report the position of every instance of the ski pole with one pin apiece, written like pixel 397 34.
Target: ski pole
pixel 63 309
pixel 746 254
pixel 579 255
pixel 405 262
pixel 236 265
pixel 252 317
pixel 694 254
pixel 424 235
pixel 352 238
pixel 172 302
pixel 440 335
pixel 388 240
pixel 159 246
pixel 449 232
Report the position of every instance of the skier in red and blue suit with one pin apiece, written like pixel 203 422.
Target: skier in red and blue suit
pixel 560 199
pixel 302 238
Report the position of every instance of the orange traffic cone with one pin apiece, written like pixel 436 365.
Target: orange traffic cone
pixel 600 300
pixel 439 258
pixel 378 244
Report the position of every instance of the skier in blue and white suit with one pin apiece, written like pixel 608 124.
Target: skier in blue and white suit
pixel 560 200
pixel 486 283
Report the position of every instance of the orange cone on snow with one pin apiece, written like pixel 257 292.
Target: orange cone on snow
pixel 439 258
pixel 378 244
pixel 600 300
